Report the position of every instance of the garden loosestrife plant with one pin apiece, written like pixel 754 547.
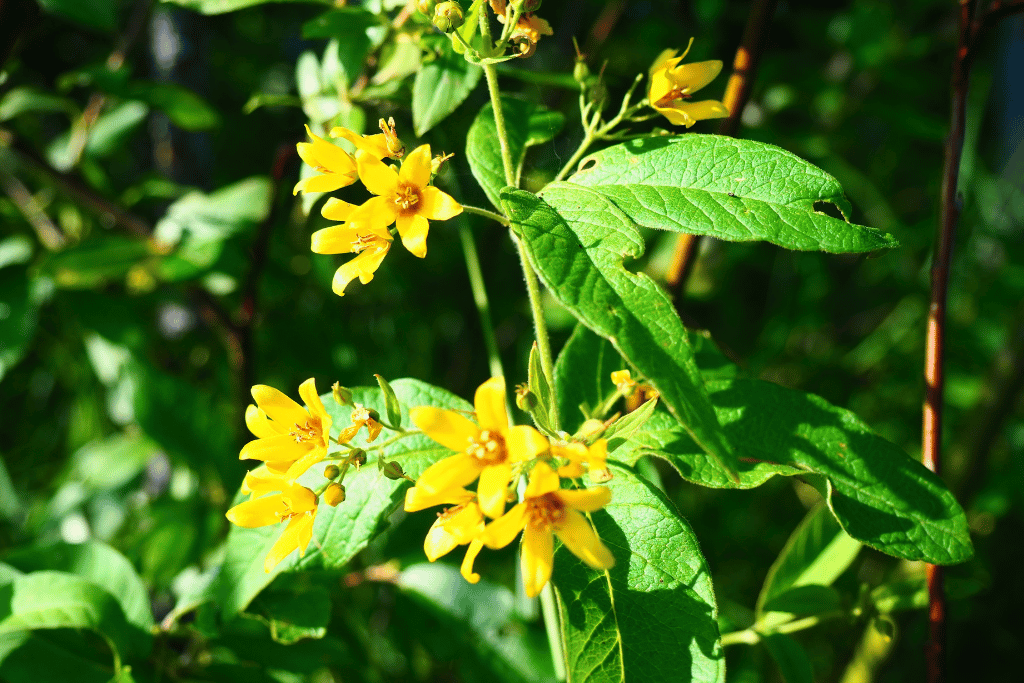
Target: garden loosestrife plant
pixel 671 86
pixel 274 498
pixel 290 438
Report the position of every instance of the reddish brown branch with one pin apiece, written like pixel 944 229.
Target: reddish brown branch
pixel 737 92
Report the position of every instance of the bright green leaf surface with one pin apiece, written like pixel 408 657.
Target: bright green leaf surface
pixel 440 87
pixel 583 376
pixel 880 496
pixel 339 532
pixel 652 617
pixel 526 125
pixel 577 240
pixel 731 189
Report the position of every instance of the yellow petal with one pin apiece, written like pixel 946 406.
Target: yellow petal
pixel 438 541
pixel 538 559
pixel 299 467
pixel 467 562
pixel 362 266
pixel 692 77
pixel 275 449
pixel 489 402
pixel 327 182
pixel 418 499
pixel 451 473
pixel 374 215
pixel 413 228
pixel 307 391
pixel 706 109
pixel 279 406
pixel 465 524
pixel 494 481
pixel 446 427
pixel 337 239
pixel 299 498
pixel 436 205
pixel 373 145
pixel 580 538
pixel 586 500
pixel 523 442
pixel 660 62
pixel 259 424
pixel 259 512
pixel 337 210
pixel 597 455
pixel 415 169
pixel 321 154
pixel 378 178
pixel 542 480
pixel 503 530
pixel 263 480
pixel 296 536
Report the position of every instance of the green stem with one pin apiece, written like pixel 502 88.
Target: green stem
pixel 588 139
pixel 496 217
pixel 491 74
pixel 752 636
pixel 540 326
pixel 551 625
pixel 476 283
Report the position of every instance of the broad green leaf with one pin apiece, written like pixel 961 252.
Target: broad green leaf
pixel 651 617
pixel 481 617
pixel 794 664
pixel 346 53
pixel 19 315
pixel 294 615
pixel 815 555
pixel 53 599
pixel 577 241
pixel 95 261
pixel 583 376
pixel 541 390
pixel 111 462
pixel 107 136
pixel 440 87
pixel 394 408
pixel 184 108
pixel 629 424
pixel 881 497
pixel 98 563
pixel 24 100
pixel 53 656
pixel 340 532
pixel 223 6
pixel 731 189
pixel 526 124
pixel 98 14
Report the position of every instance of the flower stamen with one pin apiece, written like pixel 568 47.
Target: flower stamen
pixel 545 512
pixel 406 197
pixel 487 447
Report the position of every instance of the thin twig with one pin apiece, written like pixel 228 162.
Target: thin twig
pixel 737 92
pixel 49 234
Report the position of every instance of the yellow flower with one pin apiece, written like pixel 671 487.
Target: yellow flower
pixel 290 438
pixel 533 27
pixel 370 247
pixel 337 168
pixel 595 457
pixel 403 198
pixel 361 416
pixel 383 144
pixel 486 451
pixel 545 512
pixel 623 382
pixel 670 87
pixel 294 504
pixel 458 525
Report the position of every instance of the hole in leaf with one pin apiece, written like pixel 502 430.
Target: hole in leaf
pixel 588 164
pixel 829 209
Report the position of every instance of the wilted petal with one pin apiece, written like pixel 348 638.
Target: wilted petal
pixel 580 538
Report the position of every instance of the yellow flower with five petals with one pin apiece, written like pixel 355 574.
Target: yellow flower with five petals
pixel 670 88
pixel 370 247
pixel 287 501
pixel 547 511
pixel 290 438
pixel 459 525
pixel 336 167
pixel 404 198
pixel 486 450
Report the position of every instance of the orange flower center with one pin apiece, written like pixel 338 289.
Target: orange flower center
pixel 488 448
pixel 310 431
pixel 677 93
pixel 545 512
pixel 406 197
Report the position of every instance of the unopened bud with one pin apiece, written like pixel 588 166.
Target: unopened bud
pixel 395 147
pixel 357 457
pixel 332 472
pixel 334 494
pixel 426 6
pixel 341 394
pixel 524 43
pixel 580 72
pixel 529 5
pixel 525 399
pixel 374 415
pixel 392 470
pixel 448 16
pixel 435 163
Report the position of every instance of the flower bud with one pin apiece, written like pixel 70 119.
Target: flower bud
pixel 580 72
pixel 341 394
pixel 526 6
pixel 525 399
pixel 334 494
pixel 332 472
pixel 392 470
pixel 523 42
pixel 435 163
pixel 395 147
pixel 448 16
pixel 357 457
pixel 426 6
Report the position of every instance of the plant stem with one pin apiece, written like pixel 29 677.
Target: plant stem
pixel 483 306
pixel 551 625
pixel 496 217
pixel 588 139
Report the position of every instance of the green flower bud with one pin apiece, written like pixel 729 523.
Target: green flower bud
pixel 334 495
pixel 525 399
pixel 392 470
pixel 580 72
pixel 448 16
pixel 332 472
pixel 357 457
pixel 529 5
pixel 341 394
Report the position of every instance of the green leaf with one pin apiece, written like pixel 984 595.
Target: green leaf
pixel 110 462
pixel 99 14
pixel 629 424
pixel 440 87
pixel 390 402
pixel 794 665
pixel 294 615
pixel 183 107
pixel 879 495
pixel 24 100
pixel 53 599
pixel 53 656
pixel 223 6
pixel 526 124
pixel 540 388
pixel 93 262
pixel 339 532
pixel 19 314
pixel 815 555
pixel 577 241
pixel 346 27
pixel 583 376
pixel 651 617
pixel 98 563
pixel 734 190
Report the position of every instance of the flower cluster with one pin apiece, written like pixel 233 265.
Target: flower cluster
pixel 403 198
pixel 671 84
pixel 496 455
